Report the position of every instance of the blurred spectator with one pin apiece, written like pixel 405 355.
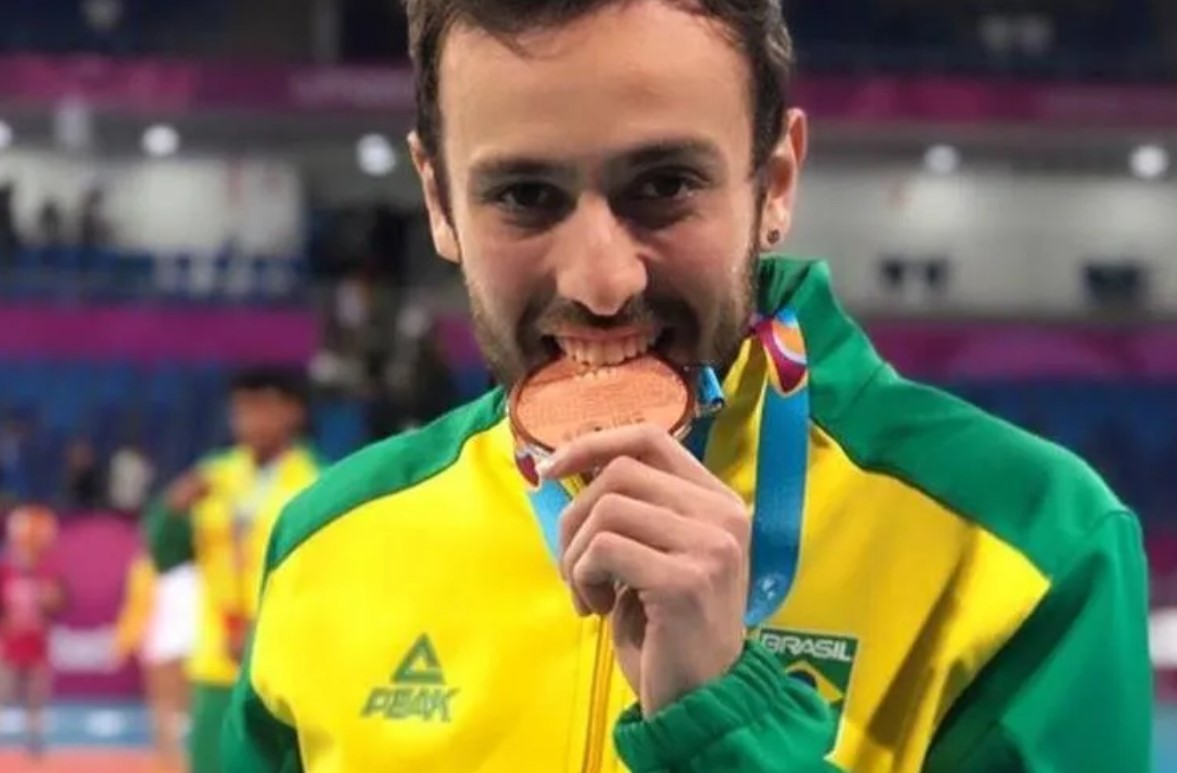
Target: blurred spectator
pixel 51 224
pixel 130 476
pixel 9 238
pixel 15 467
pixel 332 370
pixel 83 476
pixel 353 304
pixel 93 229
pixel 420 386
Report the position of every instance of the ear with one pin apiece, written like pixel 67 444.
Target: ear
pixel 445 241
pixel 782 174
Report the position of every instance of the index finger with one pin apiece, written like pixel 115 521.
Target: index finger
pixel 646 443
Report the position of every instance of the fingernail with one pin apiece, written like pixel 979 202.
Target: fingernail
pixel 542 468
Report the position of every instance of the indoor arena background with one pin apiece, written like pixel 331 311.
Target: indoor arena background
pixel 187 187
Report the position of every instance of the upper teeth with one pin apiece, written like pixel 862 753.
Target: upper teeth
pixel 593 352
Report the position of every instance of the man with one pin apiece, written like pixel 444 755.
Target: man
pixel 219 516
pixel 157 627
pixel 960 596
pixel 32 594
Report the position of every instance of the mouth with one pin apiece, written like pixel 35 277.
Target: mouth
pixel 601 348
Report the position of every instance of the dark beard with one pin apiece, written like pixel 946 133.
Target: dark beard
pixel 733 327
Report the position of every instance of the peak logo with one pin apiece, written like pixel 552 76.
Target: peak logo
pixel 417 689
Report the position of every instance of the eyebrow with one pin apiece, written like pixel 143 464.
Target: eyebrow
pixel 686 150
pixel 667 151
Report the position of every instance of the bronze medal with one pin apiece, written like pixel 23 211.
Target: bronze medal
pixel 566 399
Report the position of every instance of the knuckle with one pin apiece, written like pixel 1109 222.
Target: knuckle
pixel 608 506
pixel 580 572
pixel 618 470
pixel 600 548
pixel 608 542
pixel 604 514
pixel 692 580
pixel 725 551
pixel 736 517
pixel 655 438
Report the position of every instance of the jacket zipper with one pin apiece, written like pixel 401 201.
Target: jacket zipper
pixel 599 705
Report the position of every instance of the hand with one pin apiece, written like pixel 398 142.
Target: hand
pixel 660 545
pixel 186 492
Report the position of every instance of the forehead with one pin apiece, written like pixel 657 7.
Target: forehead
pixel 630 73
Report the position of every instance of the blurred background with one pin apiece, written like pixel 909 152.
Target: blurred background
pixel 187 188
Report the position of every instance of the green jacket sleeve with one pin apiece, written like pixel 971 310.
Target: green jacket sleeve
pixel 168 535
pixel 253 740
pixel 756 719
pixel 1072 691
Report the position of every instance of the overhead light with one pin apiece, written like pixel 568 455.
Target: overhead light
pixel 5 135
pixel 942 159
pixel 1150 162
pixel 160 141
pixel 375 155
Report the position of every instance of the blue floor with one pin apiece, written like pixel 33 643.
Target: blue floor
pixel 126 725
pixel 1165 739
pixel 85 725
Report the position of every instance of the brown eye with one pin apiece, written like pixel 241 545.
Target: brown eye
pixel 664 187
pixel 529 197
pixel 660 199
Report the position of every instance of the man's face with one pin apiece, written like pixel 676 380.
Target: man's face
pixel 264 420
pixel 602 198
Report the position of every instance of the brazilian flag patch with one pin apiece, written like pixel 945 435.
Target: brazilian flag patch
pixel 822 661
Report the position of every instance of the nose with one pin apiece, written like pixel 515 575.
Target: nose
pixel 598 263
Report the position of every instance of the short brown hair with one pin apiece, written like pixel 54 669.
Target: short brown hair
pixel 756 26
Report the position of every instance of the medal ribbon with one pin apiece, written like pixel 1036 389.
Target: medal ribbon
pixel 781 465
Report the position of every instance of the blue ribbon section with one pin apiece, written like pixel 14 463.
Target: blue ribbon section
pixel 548 501
pixel 780 501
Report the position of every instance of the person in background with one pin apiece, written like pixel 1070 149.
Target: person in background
pixel 93 228
pixel 219 516
pixel 10 239
pixel 130 477
pixel 157 627
pixel 51 225
pixel 418 378
pixel 84 484
pixel 32 593
pixel 15 467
